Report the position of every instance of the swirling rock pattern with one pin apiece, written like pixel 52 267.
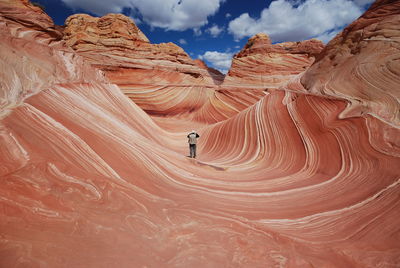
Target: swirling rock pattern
pixel 361 65
pixel 89 179
pixel 142 70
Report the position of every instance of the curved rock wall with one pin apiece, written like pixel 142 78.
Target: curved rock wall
pixel 361 65
pixel 91 180
pixel 142 70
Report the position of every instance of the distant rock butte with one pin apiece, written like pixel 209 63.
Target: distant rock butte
pixel 261 44
pixel 116 38
pixel 90 178
pixel 263 64
pixel 112 30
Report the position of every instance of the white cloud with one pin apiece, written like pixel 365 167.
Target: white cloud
pixel 197 31
pixel 98 7
pixel 218 60
pixel 283 20
pixel 182 41
pixel 328 36
pixel 176 15
pixel 214 30
pixel 228 15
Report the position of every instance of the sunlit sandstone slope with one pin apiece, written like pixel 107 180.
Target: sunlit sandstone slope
pixel 362 65
pixel 89 179
pixel 261 64
pixel 147 73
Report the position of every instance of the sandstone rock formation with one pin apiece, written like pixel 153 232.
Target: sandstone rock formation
pixel 361 65
pixel 262 64
pixel 143 71
pixel 112 30
pixel 89 179
pixel 147 71
pixel 22 12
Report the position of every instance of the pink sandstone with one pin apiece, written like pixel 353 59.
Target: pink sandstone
pixel 89 179
pixel 263 64
pixel 361 65
pixel 142 70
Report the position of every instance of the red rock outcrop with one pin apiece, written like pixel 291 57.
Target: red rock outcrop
pixel 361 65
pixel 262 64
pixel 147 72
pixel 22 12
pixel 90 180
pixel 144 71
pixel 113 30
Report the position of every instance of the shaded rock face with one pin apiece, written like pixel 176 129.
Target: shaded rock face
pixel 22 12
pixel 260 63
pixel 361 65
pixel 89 179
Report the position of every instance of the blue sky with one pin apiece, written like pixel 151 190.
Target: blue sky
pixel 214 30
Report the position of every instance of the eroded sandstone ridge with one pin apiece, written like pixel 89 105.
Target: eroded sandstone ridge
pixel 92 178
pixel 262 64
pixel 114 44
pixel 85 32
pixel 362 66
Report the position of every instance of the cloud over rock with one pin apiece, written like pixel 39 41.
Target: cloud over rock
pixel 286 20
pixel 168 14
pixel 219 60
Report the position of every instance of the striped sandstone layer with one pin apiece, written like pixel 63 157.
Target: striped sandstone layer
pixel 362 65
pixel 89 179
pixel 261 64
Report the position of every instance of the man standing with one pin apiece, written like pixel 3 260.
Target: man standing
pixel 192 136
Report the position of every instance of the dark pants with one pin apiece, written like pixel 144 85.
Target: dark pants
pixel 192 148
